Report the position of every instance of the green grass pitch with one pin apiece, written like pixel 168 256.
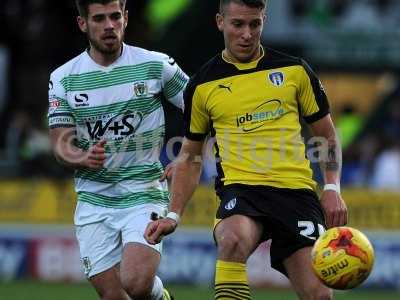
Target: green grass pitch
pixel 31 290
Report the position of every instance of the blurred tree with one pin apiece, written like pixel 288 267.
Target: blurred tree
pixel 349 125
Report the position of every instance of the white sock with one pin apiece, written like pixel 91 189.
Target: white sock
pixel 158 289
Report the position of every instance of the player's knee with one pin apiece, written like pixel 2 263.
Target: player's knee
pixel 232 246
pixel 112 294
pixel 137 288
pixel 138 293
pixel 323 296
pixel 318 293
pixel 324 293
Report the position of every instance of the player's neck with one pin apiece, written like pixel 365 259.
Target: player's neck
pixel 229 57
pixel 104 59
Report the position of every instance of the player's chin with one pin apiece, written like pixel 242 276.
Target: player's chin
pixel 111 46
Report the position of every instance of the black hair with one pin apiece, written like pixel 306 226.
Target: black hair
pixel 83 5
pixel 261 4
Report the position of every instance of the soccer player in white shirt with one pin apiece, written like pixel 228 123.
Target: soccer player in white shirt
pixel 107 122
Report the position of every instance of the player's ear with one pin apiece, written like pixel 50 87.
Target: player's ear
pixel 220 21
pixel 82 23
pixel 126 18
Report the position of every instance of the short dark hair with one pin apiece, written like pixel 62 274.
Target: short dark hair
pixel 261 4
pixel 83 5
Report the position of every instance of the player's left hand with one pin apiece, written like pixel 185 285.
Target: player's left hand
pixel 335 209
pixel 157 229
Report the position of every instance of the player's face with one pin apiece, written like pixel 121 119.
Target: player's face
pixel 242 27
pixel 105 27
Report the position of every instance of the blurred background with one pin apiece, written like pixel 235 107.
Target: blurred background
pixel 354 47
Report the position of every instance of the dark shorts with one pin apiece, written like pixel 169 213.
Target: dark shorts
pixel 292 218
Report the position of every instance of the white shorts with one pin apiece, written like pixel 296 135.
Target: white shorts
pixel 102 233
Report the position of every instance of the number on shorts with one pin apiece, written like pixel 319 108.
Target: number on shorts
pixel 309 229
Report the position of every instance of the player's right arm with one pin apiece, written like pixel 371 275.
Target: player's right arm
pixel 62 130
pixel 66 153
pixel 185 179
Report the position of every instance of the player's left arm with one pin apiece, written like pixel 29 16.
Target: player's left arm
pixel 330 159
pixel 174 81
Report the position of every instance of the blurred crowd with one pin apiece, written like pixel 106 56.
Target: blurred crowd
pixel 365 14
pixel 371 145
pixel 39 35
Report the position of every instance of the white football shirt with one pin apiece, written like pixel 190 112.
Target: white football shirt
pixel 121 104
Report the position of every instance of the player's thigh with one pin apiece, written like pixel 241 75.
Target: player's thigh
pixel 238 231
pixel 133 223
pixel 237 237
pixel 297 222
pixel 139 257
pixel 139 266
pixel 108 285
pixel 304 281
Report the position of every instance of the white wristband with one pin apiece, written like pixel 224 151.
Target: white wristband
pixel 173 216
pixel 332 187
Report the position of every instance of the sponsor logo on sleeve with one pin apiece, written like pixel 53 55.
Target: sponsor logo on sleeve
pixel 171 61
pixel 53 105
pixel 321 86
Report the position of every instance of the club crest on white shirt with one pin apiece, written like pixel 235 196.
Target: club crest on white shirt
pixel 140 88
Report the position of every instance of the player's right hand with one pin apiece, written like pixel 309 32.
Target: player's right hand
pixel 157 229
pixel 96 156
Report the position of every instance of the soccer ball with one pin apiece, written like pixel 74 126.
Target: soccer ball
pixel 342 258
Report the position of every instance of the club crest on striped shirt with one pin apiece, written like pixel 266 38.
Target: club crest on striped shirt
pixel 276 78
pixel 140 88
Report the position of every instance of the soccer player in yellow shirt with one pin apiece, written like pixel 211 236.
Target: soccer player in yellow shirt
pixel 250 99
